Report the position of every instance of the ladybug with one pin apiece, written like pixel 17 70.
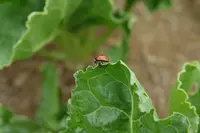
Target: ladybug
pixel 101 59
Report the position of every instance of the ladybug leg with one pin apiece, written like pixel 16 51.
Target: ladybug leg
pixel 102 62
pixel 98 63
pixel 95 61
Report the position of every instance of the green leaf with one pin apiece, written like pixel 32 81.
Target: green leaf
pixel 180 97
pixel 13 17
pixel 5 115
pixel 17 124
pixel 177 123
pixel 190 82
pixel 153 5
pixel 110 99
pixel 105 97
pixel 20 124
pixel 92 12
pixel 22 41
pixel 45 23
pixel 48 110
pixel 129 4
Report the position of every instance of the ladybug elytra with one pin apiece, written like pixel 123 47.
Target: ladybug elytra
pixel 101 59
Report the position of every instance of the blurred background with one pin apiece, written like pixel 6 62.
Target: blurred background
pixel 160 43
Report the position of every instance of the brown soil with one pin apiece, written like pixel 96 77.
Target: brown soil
pixel 161 42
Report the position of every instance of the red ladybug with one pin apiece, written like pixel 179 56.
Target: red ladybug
pixel 101 59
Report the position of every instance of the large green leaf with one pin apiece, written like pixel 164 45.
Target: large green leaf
pixel 13 16
pixel 181 98
pixel 19 41
pixel 47 113
pixel 42 28
pixel 109 99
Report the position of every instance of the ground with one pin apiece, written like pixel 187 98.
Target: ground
pixel 161 42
